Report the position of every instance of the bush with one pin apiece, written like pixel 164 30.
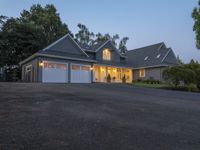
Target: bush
pixel 177 74
pixel 139 80
pixel 192 88
pixel 108 78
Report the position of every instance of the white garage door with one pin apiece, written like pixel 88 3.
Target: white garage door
pixel 80 73
pixel 55 72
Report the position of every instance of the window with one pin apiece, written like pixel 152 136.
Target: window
pixel 75 67
pixel 142 72
pixel 106 54
pixel 61 66
pixel 28 68
pixel 49 65
pixel 85 68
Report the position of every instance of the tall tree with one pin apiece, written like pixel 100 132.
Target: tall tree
pixel 84 36
pixel 122 45
pixel 32 31
pixel 196 27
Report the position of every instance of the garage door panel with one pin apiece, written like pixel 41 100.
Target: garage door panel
pixel 80 73
pixel 55 72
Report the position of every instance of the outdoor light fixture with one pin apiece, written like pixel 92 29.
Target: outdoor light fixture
pixel 41 64
pixel 91 68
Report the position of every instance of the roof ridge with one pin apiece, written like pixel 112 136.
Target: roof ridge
pixel 147 46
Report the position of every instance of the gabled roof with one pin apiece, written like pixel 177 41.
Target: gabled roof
pixel 65 45
pixel 153 55
pixel 91 48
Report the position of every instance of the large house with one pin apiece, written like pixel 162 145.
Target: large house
pixel 67 61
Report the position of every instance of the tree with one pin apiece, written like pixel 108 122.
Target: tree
pixel 196 27
pixel 84 36
pixel 33 30
pixel 122 45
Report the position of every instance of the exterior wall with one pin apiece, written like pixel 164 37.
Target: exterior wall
pixel 34 70
pixel 155 73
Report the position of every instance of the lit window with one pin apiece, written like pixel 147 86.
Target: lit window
pixel 85 68
pixel 106 54
pixel 75 67
pixel 142 72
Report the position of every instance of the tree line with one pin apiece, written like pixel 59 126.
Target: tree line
pixel 38 27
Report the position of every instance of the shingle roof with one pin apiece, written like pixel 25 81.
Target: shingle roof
pixel 153 55
pixel 94 47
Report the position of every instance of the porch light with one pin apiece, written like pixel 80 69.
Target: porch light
pixel 91 68
pixel 41 64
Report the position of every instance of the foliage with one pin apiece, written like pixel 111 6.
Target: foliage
pixel 33 30
pixel 122 45
pixel 188 74
pixel 84 36
pixel 196 27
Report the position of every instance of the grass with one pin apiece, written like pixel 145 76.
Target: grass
pixel 157 86
pixel 167 87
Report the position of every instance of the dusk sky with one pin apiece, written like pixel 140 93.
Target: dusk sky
pixel 145 22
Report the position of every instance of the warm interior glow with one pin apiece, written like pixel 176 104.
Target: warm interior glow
pixel 41 64
pixel 106 54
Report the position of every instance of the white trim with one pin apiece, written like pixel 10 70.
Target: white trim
pixel 166 55
pixel 62 39
pixel 161 46
pixel 163 65
pixel 27 67
pixel 107 65
pixel 78 45
pixel 27 59
pixel 68 58
pixel 102 46
pixel 54 56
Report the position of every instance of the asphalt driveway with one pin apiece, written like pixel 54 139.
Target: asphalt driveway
pixel 97 117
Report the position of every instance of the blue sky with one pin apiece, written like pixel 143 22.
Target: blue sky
pixel 145 22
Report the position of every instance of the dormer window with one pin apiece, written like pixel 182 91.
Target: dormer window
pixel 158 56
pixel 106 54
pixel 146 58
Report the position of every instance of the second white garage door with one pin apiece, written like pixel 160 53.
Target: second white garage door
pixel 80 73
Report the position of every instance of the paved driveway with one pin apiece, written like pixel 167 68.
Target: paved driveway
pixel 97 117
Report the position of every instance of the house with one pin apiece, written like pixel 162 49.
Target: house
pixel 67 61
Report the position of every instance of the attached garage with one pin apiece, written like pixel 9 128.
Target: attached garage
pixel 80 73
pixel 54 72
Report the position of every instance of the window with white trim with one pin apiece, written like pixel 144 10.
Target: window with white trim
pixel 142 72
pixel 106 54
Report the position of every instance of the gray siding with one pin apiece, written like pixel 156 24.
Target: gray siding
pixel 155 73
pixel 34 70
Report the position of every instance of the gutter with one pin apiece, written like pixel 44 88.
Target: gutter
pixel 53 56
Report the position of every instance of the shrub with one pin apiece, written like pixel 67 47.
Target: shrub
pixel 108 78
pixel 192 88
pixel 177 74
pixel 139 80
pixel 124 79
